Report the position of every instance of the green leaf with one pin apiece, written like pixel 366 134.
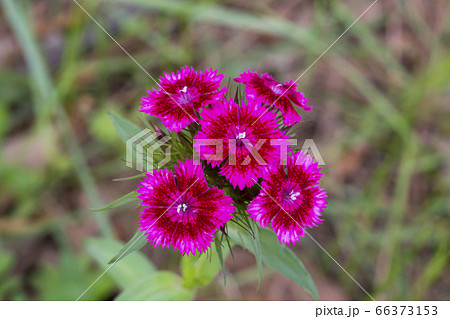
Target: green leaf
pixel 124 127
pixel 257 247
pixel 244 239
pixel 69 278
pixel 137 242
pixel 276 256
pixel 131 196
pixel 159 286
pixel 129 178
pixel 124 273
pixel 282 259
pixel 6 262
pixel 101 126
pixel 4 120
pixel 218 246
pixel 199 271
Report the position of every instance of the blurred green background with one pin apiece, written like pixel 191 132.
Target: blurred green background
pixel 381 121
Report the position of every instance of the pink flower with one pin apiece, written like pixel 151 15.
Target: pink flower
pixel 181 210
pixel 290 198
pixel 181 95
pixel 244 135
pixel 265 89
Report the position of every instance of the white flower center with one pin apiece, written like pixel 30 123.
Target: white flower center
pixel 240 136
pixel 293 195
pixel 277 89
pixel 184 89
pixel 182 207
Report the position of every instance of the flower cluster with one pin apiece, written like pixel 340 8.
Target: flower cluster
pixel 239 141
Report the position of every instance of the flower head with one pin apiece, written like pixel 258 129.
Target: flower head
pixel 245 134
pixel 181 210
pixel 181 95
pixel 265 89
pixel 290 199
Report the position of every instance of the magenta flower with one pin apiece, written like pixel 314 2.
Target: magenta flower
pixel 290 198
pixel 265 89
pixel 181 210
pixel 245 136
pixel 181 95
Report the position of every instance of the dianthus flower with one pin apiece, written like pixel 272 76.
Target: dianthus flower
pixel 181 95
pixel 290 198
pixel 265 89
pixel 247 135
pixel 181 210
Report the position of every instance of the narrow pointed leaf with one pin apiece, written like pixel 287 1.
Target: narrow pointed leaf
pixel 137 242
pixel 257 247
pixel 126 272
pixel 282 259
pixel 131 196
pixel 124 127
pixel 218 247
pixel 278 257
pixel 160 286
